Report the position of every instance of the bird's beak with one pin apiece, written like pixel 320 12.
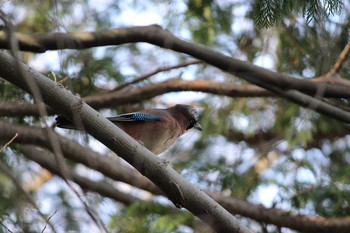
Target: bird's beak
pixel 198 126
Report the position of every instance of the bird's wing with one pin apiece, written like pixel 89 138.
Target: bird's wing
pixel 135 116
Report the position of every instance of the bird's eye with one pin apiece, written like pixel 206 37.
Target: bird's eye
pixel 192 123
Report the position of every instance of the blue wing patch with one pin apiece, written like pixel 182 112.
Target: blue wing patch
pixel 140 116
pixel 136 116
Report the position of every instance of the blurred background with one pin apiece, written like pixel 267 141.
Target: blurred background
pixel 255 146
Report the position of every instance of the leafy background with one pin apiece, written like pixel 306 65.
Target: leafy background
pixel 262 149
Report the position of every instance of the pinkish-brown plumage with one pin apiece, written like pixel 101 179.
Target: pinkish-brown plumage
pixel 156 129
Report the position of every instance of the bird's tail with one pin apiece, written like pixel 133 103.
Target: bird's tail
pixel 63 122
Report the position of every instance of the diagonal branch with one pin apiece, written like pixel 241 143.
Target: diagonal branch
pixel 281 84
pixel 37 94
pixel 102 187
pixel 158 70
pixel 116 171
pixel 181 192
pixel 78 153
pixel 156 35
pixel 332 76
pixel 113 99
pixel 340 60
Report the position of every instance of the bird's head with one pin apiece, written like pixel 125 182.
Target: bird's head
pixel 191 116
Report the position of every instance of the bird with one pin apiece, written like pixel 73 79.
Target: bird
pixel 156 129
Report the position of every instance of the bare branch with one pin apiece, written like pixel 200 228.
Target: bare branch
pixel 78 153
pixel 33 89
pixel 48 220
pixel 116 171
pixel 281 84
pixel 283 218
pixel 332 76
pixel 9 142
pixel 262 136
pixel 156 35
pixel 162 69
pixel 181 192
pixel 102 187
pixel 6 228
pixel 113 99
pixel 342 57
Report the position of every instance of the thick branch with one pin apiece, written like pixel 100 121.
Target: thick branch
pixel 283 218
pixel 113 169
pixel 259 137
pixel 274 216
pixel 280 84
pixel 157 36
pixel 179 191
pixel 78 153
pixel 112 99
pixel 102 187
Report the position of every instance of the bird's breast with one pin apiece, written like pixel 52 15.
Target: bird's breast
pixel 157 136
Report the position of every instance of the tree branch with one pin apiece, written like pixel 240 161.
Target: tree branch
pixel 116 171
pixel 78 153
pixel 156 35
pixel 261 136
pixel 281 84
pixel 179 191
pixel 340 60
pixel 113 99
pixel 299 222
pixel 158 70
pixel 101 187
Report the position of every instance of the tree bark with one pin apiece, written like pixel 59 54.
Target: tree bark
pixel 181 192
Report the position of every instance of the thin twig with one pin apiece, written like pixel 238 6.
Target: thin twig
pixel 119 172
pixel 103 188
pixel 96 219
pixel 5 227
pixel 9 174
pixel 49 220
pixel 162 69
pixel 9 142
pixel 332 75
pixel 340 60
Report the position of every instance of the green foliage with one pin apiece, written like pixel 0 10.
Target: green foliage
pixel 207 18
pixel 93 75
pixel 339 165
pixel 247 143
pixel 228 177
pixel 150 217
pixel 314 9
pixel 329 200
pixel 10 93
pixel 7 191
pixel 268 13
pixel 172 223
pixel 299 49
pixel 14 206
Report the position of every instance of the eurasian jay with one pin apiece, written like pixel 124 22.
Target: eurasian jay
pixel 156 129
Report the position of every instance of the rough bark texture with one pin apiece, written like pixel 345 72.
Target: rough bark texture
pixel 179 191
